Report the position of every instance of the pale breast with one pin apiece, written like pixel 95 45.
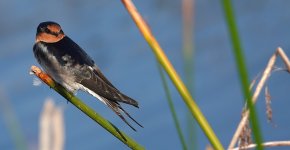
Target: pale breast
pixel 63 73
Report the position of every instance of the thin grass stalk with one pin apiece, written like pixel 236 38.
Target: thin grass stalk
pixel 167 66
pixel 172 109
pixel 12 123
pixel 87 110
pixel 188 55
pixel 188 49
pixel 266 144
pixel 241 65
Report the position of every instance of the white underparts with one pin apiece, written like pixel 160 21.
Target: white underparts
pixel 65 78
pixel 92 93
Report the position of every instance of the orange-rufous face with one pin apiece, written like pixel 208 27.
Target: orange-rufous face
pixel 53 34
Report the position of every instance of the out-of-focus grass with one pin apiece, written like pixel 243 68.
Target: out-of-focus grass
pixel 188 61
pixel 242 69
pixel 167 66
pixel 51 127
pixel 12 123
pixel 172 109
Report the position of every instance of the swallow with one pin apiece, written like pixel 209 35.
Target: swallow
pixel 70 66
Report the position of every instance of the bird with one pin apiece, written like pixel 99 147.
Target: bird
pixel 70 66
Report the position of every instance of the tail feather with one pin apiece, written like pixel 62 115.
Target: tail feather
pixel 130 116
pixel 116 107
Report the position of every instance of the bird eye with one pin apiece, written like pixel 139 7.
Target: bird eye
pixel 41 29
pixel 44 29
pixel 47 30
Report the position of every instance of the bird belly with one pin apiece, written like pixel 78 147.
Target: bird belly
pixel 61 73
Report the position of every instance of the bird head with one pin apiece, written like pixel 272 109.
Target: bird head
pixel 49 32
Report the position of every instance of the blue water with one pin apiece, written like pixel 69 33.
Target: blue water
pixel 105 30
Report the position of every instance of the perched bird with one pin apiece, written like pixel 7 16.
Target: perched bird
pixel 69 65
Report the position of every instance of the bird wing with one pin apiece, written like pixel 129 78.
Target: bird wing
pixel 101 86
pixel 98 72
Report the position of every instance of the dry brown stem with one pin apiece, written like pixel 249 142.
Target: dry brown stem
pixel 266 144
pixel 260 85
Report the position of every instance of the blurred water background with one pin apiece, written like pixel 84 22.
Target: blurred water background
pixel 105 30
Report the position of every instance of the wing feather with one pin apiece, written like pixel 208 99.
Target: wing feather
pixel 104 88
